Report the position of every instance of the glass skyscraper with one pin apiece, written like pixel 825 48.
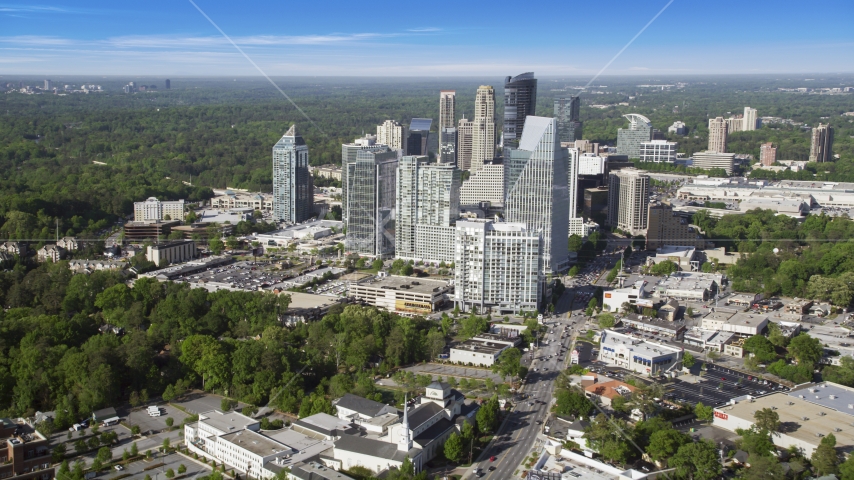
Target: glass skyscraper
pixel 293 190
pixel 537 190
pixel 629 140
pixel 520 101
pixel 371 183
pixel 568 115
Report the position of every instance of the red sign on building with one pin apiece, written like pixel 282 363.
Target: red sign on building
pixel 721 415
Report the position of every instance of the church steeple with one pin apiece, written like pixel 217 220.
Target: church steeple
pixel 405 443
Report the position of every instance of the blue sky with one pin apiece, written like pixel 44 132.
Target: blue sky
pixel 399 38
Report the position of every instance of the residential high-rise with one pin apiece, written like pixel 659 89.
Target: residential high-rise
pixel 667 228
pixel 767 154
pixel 448 146
pixel 427 196
pixel 48 84
pixel 821 149
pixel 167 84
pixel 418 141
pixel 371 197
pixel 393 134
pixel 628 200
pixel 447 109
pixel 348 156
pixel 629 140
pixel 293 189
pixel 658 151
pixel 568 113
pixel 465 130
pixel 537 191
pixel 714 160
pixel 734 124
pixel 483 127
pixel 497 265
pixel 485 185
pixel 576 223
pixel 717 134
pixel 751 121
pixel 152 210
pixel 520 101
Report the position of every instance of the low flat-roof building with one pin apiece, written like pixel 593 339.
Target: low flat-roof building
pixel 604 393
pixel 685 257
pixel 178 251
pixel 403 295
pixel 637 355
pixel 806 422
pixel 231 199
pixel 735 322
pixel 712 340
pixel 665 329
pixel 689 286
pixel 141 231
pixel 478 353
pixel 613 300
pixel 305 307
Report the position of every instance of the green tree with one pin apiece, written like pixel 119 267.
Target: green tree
pixel 767 420
pixel 704 413
pixel 487 415
pixel 606 320
pixel 689 312
pixel 806 349
pixel 761 347
pixel 575 243
pixel 377 264
pixel 846 469
pixel 472 325
pixel 663 444
pixel 166 444
pixel 763 468
pixel 509 362
pixel 215 245
pixel 97 464
pixel 571 402
pixel 688 360
pixel 170 473
pixel 134 451
pixel 435 343
pixel 169 421
pixel 697 461
pixel 454 448
pixel 58 453
pixel 105 454
pixel 824 459
pixel 182 469
pixel 755 441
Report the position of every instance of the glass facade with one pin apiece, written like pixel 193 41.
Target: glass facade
pixel 371 201
pixel 520 101
pixel 293 189
pixel 567 111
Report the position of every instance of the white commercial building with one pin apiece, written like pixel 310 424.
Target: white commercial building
pixel 709 160
pixel 690 286
pixel 658 151
pixel 592 164
pixel 728 320
pixel 153 209
pixel 497 265
pixel 393 134
pixel 751 121
pixel 637 355
pixel 485 185
pixel 613 300
pixel 171 252
pixel 403 295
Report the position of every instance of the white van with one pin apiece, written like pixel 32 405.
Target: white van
pixel 153 411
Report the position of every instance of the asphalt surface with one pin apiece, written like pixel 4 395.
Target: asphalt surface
pixel 514 439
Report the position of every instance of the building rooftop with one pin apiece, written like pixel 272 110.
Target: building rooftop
pixel 654 322
pixel 420 285
pixel 317 471
pixel 373 448
pixel 301 300
pixel 226 422
pixel 675 251
pixel 611 339
pixel 422 413
pixel 611 389
pixel 820 420
pixel 830 395
pixel 362 405
pixel 326 422
pixel 476 346
pixel 256 443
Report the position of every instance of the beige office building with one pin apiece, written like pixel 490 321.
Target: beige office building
pixel 750 120
pixel 152 210
pixel 767 154
pixel 465 129
pixel 667 228
pixel 483 127
pixel 712 159
pixel 485 185
pixel 393 134
pixel 171 252
pixel 734 124
pixel 447 109
pixel 717 134
pixel 821 149
pixel 628 200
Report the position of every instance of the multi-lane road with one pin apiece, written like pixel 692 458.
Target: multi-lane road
pixel 513 442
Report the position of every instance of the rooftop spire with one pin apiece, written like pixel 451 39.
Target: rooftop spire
pixel 292 132
pixel 405 443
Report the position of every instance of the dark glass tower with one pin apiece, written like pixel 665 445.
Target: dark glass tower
pixel 568 114
pixel 520 100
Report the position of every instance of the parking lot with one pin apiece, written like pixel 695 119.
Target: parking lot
pixel 148 423
pixel 718 386
pixel 198 402
pixel 137 471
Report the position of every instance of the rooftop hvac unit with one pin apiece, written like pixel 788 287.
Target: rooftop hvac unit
pixel 817 434
pixel 805 418
pixel 837 429
pixel 851 406
pixel 801 396
pixel 822 413
pixel 833 397
pixel 812 390
pixel 773 407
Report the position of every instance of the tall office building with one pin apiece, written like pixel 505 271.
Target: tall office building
pixel 678 128
pixel 573 168
pixel 428 195
pixel 821 149
pixel 667 228
pixel 498 266
pixel 628 200
pixel 767 154
pixel 629 140
pixel 393 134
pixel 751 121
pixel 447 109
pixel 293 189
pixel 48 84
pixel 658 151
pixel 371 199
pixel 537 192
pixel 465 133
pixel 717 134
pixel 520 101
pixel 418 141
pixel 568 114
pixel 483 127
pixel 168 84
pixel 348 156
pixel 714 160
